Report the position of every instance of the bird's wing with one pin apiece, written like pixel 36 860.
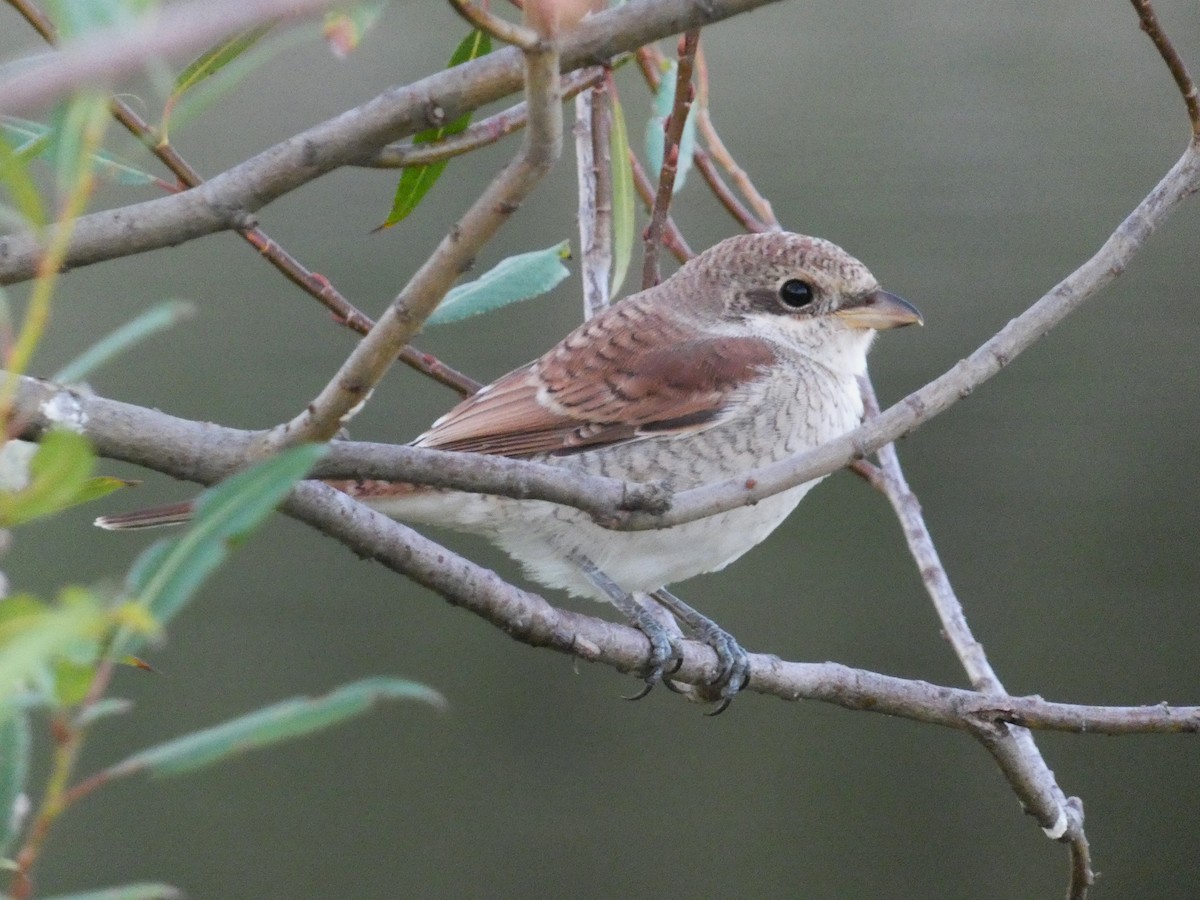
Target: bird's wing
pixel 607 383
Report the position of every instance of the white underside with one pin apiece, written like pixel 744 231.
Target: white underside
pixel 544 538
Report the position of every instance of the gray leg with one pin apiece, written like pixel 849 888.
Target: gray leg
pixel 734 662
pixel 662 644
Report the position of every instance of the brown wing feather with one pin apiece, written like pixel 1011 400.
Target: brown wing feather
pixel 624 374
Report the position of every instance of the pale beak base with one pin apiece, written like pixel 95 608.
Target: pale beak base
pixel 880 310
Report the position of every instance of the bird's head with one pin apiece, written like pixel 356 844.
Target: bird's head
pixel 803 292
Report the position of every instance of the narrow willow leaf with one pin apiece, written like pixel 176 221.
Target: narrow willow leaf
pixel 166 575
pixel 14 771
pixel 33 138
pixel 623 200
pixel 415 181
pixel 345 28
pixel 514 279
pixel 102 709
pixel 17 180
pixel 664 101
pixel 214 59
pixel 75 133
pixel 282 721
pixel 144 891
pixel 188 106
pixel 58 472
pixel 207 64
pixel 157 318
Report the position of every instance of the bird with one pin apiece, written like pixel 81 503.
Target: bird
pixel 749 353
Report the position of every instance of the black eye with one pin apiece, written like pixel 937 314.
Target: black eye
pixel 796 294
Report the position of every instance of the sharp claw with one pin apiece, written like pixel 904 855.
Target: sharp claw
pixel 722 705
pixel 672 686
pixel 646 689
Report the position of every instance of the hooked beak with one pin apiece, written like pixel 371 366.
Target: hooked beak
pixel 879 310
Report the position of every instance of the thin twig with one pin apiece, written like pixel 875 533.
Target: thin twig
pixel 1012 747
pixel 593 156
pixel 672 237
pixel 672 133
pixel 1187 87
pixel 501 29
pixel 650 60
pixel 763 212
pixel 317 286
pixel 479 134
pixel 366 365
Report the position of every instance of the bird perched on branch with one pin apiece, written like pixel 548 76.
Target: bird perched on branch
pixel 748 354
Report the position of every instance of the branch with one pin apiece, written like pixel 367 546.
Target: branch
pixel 1012 747
pixel 480 134
pixel 111 53
pixel 593 164
pixel 230 199
pixel 704 124
pixel 672 238
pixel 199 451
pixel 944 391
pixel 1174 62
pixel 673 133
pixel 369 361
pixel 316 286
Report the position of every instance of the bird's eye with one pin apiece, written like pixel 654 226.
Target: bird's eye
pixel 796 294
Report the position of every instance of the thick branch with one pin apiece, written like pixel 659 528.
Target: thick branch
pixel 230 199
pixel 202 452
pixel 121 50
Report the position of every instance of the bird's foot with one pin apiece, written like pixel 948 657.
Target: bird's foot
pixel 733 663
pixel 664 646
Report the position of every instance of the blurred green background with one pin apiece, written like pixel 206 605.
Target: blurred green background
pixel 972 155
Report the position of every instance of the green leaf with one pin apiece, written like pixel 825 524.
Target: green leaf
pixel 207 64
pixel 279 722
pixel 623 200
pixel 144 891
pixel 102 709
pixel 78 125
pixel 664 101
pixel 18 181
pixel 214 59
pixel 511 280
pixel 191 104
pixel 33 638
pixel 166 575
pixel 58 474
pixel 14 771
pixel 157 318
pixel 33 138
pixel 71 680
pixel 345 28
pixel 415 181
pixel 74 18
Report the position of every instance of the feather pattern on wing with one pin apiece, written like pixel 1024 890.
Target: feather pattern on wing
pixel 607 382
